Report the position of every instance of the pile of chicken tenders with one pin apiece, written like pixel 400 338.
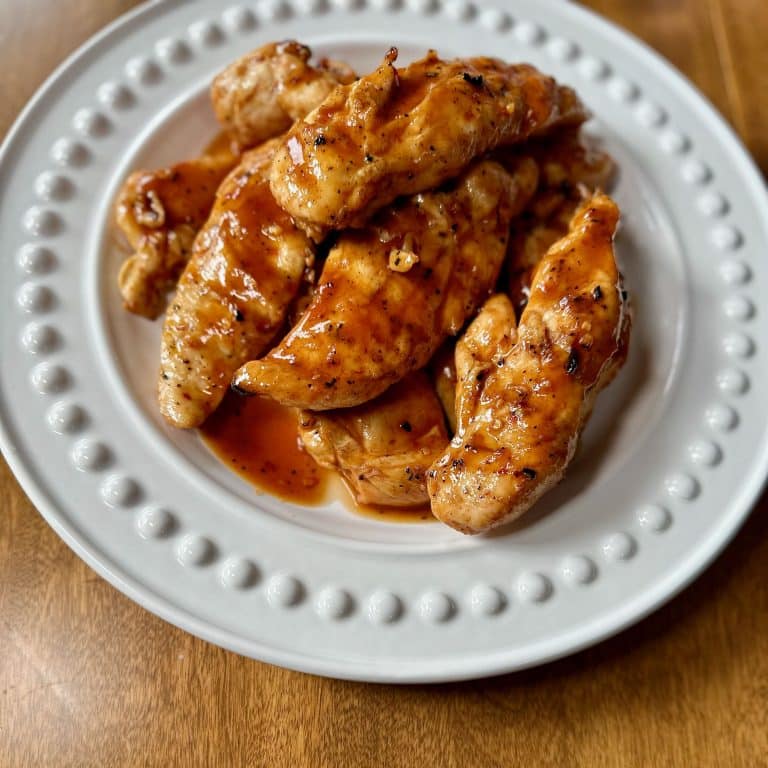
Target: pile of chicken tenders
pixel 419 260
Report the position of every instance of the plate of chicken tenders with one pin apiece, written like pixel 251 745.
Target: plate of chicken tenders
pixel 385 341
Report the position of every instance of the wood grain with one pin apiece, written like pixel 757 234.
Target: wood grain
pixel 87 678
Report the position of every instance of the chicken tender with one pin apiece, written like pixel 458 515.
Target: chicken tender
pixel 485 343
pixel 160 213
pixel 401 131
pixel 570 171
pixel 382 448
pixel 262 93
pixel 522 405
pixel 234 294
pixel 390 294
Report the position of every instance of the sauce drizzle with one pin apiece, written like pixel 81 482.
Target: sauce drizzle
pixel 257 439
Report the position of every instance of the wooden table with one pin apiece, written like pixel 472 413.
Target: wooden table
pixel 88 678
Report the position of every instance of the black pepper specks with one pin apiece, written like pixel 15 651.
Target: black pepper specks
pixel 529 473
pixel 597 293
pixel 239 316
pixel 406 426
pixel 320 140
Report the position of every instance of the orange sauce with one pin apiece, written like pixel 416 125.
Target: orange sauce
pixel 222 143
pixel 258 440
pixel 422 514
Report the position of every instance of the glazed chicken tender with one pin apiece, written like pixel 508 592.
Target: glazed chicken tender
pixel 522 403
pixel 401 131
pixel 485 343
pixel 382 448
pixel 262 93
pixel 160 213
pixel 234 294
pixel 571 170
pixel 414 268
pixel 391 293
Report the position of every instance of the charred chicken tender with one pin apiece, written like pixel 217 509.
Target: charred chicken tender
pixel 160 213
pixel 369 323
pixel 233 295
pixel 522 406
pixel 262 93
pixel 382 448
pixel 401 131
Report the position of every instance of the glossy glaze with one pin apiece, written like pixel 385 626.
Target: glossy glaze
pixel 571 169
pixel 233 296
pixel 368 325
pixel 401 131
pixel 420 514
pixel 522 403
pixel 258 439
pixel 382 448
pixel 160 213
pixel 223 142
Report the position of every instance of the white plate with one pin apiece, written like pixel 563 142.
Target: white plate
pixel 673 458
